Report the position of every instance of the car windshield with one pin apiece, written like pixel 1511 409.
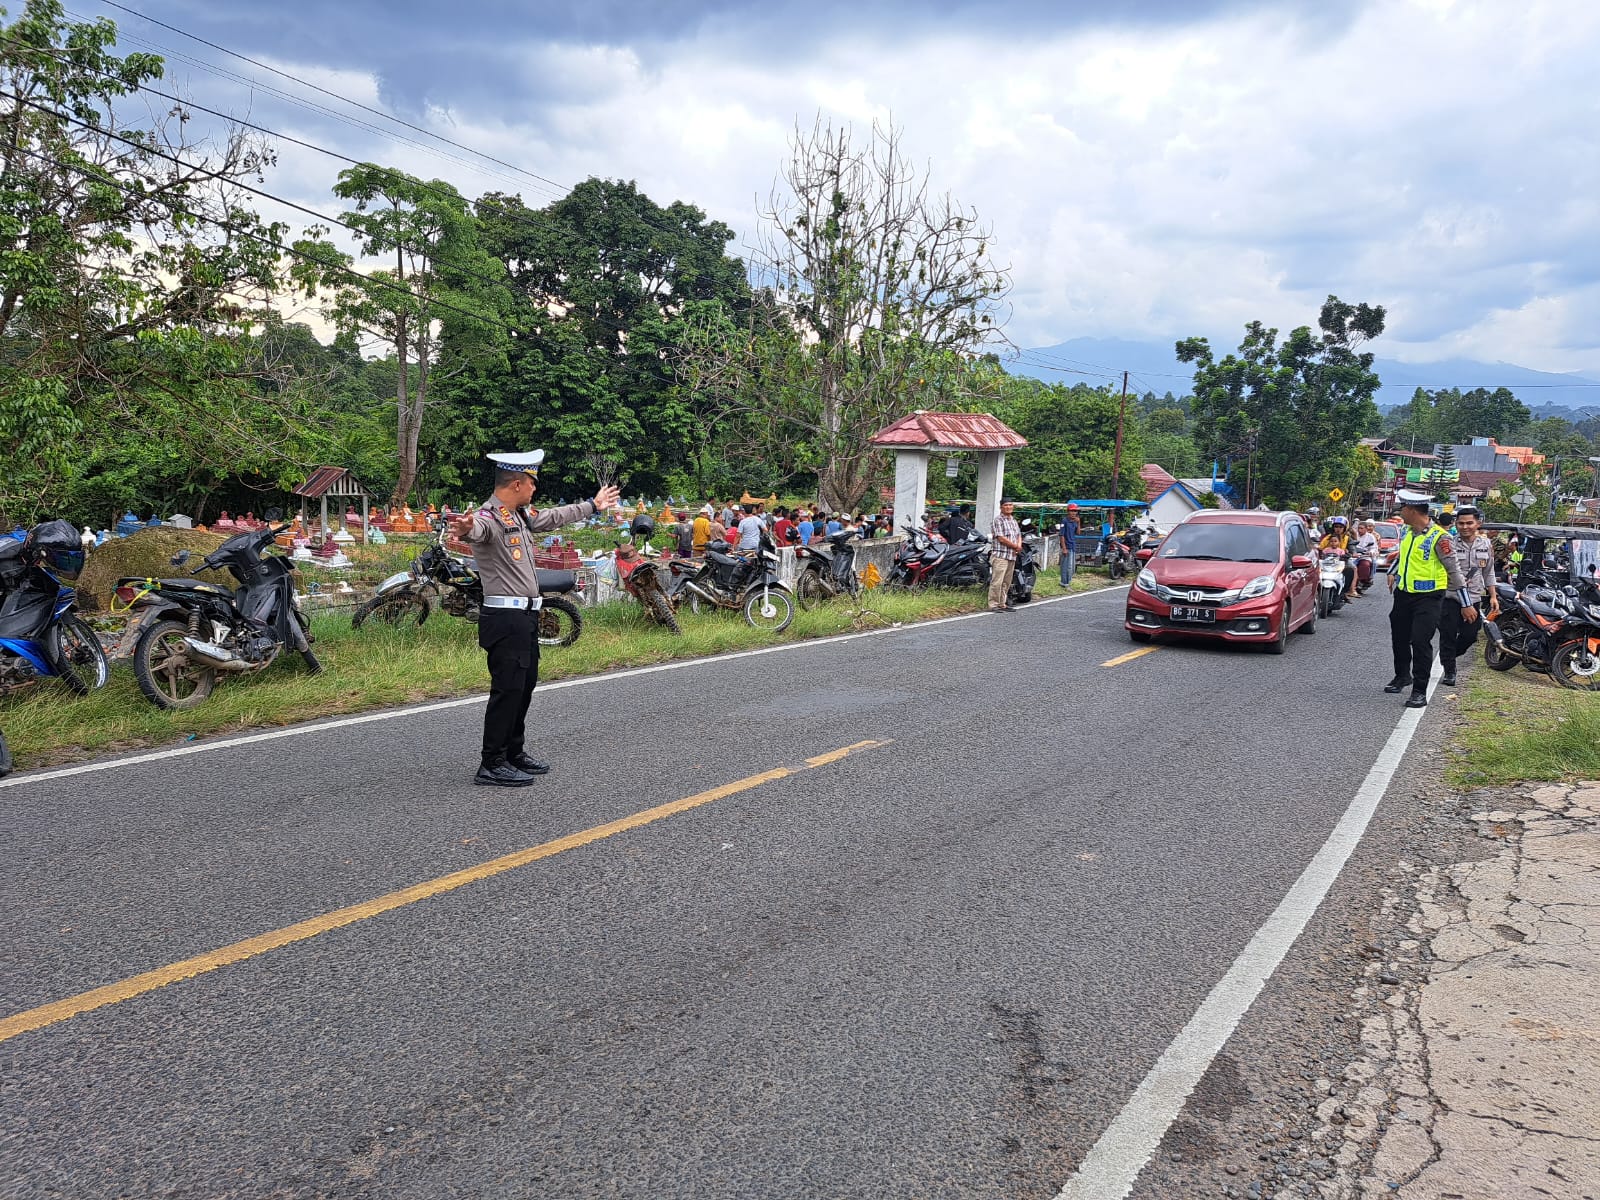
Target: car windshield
pixel 1222 542
pixel 1388 529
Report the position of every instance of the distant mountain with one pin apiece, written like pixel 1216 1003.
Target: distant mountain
pixel 1153 367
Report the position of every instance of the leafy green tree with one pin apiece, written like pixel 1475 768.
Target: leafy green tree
pixel 128 258
pixel 439 306
pixel 1071 434
pixel 1287 408
pixel 606 282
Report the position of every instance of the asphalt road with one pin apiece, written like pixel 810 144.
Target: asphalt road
pixel 936 967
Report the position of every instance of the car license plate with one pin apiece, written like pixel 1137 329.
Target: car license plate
pixel 1206 615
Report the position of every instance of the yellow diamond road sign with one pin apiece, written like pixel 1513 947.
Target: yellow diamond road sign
pixel 1336 495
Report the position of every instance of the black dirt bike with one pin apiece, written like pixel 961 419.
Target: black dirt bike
pixel 725 580
pixel 188 631
pixel 827 569
pixel 438 578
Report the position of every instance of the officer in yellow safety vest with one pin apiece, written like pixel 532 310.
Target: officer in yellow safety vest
pixel 1422 574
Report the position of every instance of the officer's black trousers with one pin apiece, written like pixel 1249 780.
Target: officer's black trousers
pixel 1455 635
pixel 1412 623
pixel 511 638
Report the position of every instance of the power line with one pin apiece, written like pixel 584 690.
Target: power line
pixel 335 95
pixel 323 110
pixel 255 191
pixel 100 176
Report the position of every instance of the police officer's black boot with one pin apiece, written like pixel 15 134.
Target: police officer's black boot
pixel 527 764
pixel 1398 684
pixel 1417 699
pixel 502 774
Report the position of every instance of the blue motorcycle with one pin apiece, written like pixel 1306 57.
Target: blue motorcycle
pixel 40 635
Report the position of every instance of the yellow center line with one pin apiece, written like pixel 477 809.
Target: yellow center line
pixel 1129 657
pixel 213 960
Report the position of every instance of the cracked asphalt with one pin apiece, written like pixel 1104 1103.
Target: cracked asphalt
pixel 937 968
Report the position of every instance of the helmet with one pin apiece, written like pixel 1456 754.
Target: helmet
pixel 643 525
pixel 1341 521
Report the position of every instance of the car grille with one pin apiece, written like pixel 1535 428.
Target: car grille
pixel 1196 594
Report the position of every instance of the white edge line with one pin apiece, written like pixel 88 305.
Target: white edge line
pixel 440 705
pixel 1113 1164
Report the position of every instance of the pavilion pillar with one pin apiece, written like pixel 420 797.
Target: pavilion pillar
pixel 910 487
pixel 991 479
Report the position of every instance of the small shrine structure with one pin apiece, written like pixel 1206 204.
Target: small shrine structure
pixel 916 437
pixel 335 483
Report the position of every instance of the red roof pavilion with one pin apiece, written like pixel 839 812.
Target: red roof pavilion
pixel 923 430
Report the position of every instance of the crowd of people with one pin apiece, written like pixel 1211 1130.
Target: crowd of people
pixel 741 525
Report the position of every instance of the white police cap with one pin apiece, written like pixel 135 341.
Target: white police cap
pixel 528 462
pixel 1413 499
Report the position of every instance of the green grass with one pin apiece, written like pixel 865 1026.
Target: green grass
pixel 1517 726
pixel 379 667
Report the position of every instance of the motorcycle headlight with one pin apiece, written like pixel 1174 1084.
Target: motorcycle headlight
pixel 1146 581
pixel 1259 586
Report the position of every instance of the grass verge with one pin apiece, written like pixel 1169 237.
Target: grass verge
pixel 1517 726
pixel 379 667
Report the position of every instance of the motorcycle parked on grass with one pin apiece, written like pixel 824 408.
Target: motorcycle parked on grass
pixel 1118 556
pixel 1548 630
pixel 750 584
pixel 439 578
pixel 638 576
pixel 924 562
pixel 41 636
pixel 827 569
pixel 189 631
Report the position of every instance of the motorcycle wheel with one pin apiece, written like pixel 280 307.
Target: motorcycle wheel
pixel 396 609
pixel 773 616
pixel 560 622
pixel 1499 658
pixel 809 589
pixel 80 659
pixel 1573 665
pixel 5 758
pixel 166 675
pixel 1323 608
pixel 657 605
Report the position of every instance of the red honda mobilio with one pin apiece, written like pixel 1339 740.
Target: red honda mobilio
pixel 1234 576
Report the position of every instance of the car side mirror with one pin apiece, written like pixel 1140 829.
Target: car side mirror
pixel 1144 556
pixel 1300 562
pixel 181 557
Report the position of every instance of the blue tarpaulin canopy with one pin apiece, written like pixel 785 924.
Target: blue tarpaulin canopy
pixel 1110 504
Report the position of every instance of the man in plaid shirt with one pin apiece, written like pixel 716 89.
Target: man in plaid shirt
pixel 1005 540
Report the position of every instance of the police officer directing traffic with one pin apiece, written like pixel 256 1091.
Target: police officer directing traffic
pixel 501 534
pixel 1423 572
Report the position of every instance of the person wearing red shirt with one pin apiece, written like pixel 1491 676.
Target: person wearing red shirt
pixel 784 531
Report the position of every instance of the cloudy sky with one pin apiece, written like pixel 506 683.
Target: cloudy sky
pixel 1151 168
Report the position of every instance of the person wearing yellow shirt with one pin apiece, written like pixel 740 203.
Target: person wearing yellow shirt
pixel 1337 541
pixel 1423 573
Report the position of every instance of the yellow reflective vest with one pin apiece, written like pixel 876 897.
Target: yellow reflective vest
pixel 1419 564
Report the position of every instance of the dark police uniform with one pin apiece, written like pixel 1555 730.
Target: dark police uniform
pixel 1425 572
pixel 502 541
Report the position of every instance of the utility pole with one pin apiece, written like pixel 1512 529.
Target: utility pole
pixel 1116 461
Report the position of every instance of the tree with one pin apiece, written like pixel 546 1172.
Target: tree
pixel 1071 434
pixel 872 277
pixel 128 259
pixel 1443 472
pixel 442 281
pixel 1449 415
pixel 1286 409
pixel 605 282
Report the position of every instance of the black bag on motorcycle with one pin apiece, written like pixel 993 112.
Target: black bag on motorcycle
pixel 60 549
pixel 13 563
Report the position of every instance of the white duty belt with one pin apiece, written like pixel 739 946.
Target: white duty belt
pixel 535 602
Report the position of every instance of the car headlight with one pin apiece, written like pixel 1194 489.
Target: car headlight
pixel 1259 586
pixel 1146 581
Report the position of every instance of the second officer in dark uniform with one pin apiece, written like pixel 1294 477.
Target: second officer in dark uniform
pixel 502 535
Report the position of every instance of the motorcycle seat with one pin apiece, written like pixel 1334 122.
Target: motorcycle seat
pixel 722 560
pixel 197 585
pixel 556 582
